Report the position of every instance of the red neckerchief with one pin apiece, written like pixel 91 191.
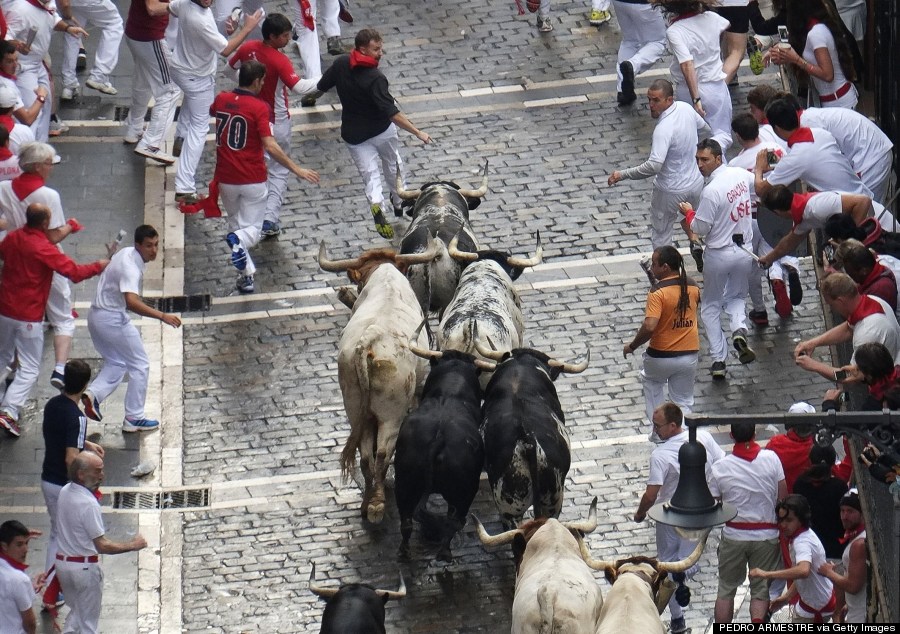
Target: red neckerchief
pixel 852 534
pixel 12 77
pixel 209 205
pixel 5 153
pixel 746 450
pixel 8 122
pixel 684 16
pixel 18 565
pixel 876 272
pixel 765 121
pixel 360 59
pixel 41 6
pixel 811 23
pixel 800 135
pixel 25 184
pixel 866 307
pixel 878 388
pixel 785 543
pixel 798 204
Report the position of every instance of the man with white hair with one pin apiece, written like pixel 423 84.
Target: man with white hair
pixel 36 163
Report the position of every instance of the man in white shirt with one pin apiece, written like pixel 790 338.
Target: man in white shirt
pixel 16 589
pixel 806 555
pixel 661 484
pixel 724 219
pixel 103 16
pixel 82 537
pixel 758 98
pixel 9 66
pixel 850 583
pixel 117 339
pixel 671 161
pixel 752 480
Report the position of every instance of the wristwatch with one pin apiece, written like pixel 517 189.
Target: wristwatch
pixel 42 99
pixel 696 101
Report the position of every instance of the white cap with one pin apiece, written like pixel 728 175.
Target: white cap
pixel 802 408
pixel 9 96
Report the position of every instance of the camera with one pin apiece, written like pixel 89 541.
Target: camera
pixel 771 157
pixel 840 375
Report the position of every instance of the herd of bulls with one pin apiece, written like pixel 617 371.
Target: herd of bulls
pixel 488 404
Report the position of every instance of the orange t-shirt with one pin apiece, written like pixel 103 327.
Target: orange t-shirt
pixel 673 334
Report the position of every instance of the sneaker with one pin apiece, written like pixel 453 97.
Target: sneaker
pixel 141 424
pixel 627 96
pixel 244 284
pixel 754 52
pixel 238 254
pixel 382 226
pixel 697 254
pixel 57 380
pixel 543 24
pixel 177 145
pixel 717 370
pixel 105 87
pixel 91 406
pixel 270 229
pixel 132 139
pixel 759 317
pixel 188 198
pixel 795 288
pixel 81 60
pixel 57 127
pixel 678 626
pixel 68 94
pixel 782 302
pixel 599 17
pixel 155 154
pixel 307 101
pixel 335 46
pixel 745 352
pixel 8 424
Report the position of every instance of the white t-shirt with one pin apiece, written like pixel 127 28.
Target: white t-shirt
pixel 13 209
pixel 199 42
pixel 815 590
pixel 820 163
pixel 767 135
pixel 6 81
pixel 664 467
pixel 726 207
pixel 860 140
pixel 752 487
pixel 78 521
pixel 746 160
pixel 674 145
pixel 123 275
pixel 820 37
pixel 19 136
pixel 878 328
pixel 697 39
pixel 24 17
pixel 823 205
pixel 9 168
pixel 16 596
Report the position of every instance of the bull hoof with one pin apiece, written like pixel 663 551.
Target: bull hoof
pixel 376 512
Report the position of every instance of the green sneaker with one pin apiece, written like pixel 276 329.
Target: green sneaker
pixel 598 17
pixel 755 55
pixel 382 226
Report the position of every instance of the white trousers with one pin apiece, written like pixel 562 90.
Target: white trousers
pixel 119 343
pixel 278 173
pixel 152 79
pixel 670 546
pixel 308 41
pixel 246 207
pixel 726 272
pixel 105 16
pixel 26 339
pixel 59 306
pixel 27 80
pixel 775 272
pixel 82 583
pixel 878 176
pixel 643 36
pixel 383 149
pixel 716 102
pixel 51 499
pixel 677 373
pixel 664 212
pixel 193 125
pixel 600 5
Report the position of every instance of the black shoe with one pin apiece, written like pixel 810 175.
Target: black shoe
pixel 307 102
pixel 81 60
pixel 745 352
pixel 759 317
pixel 627 95
pixel 718 370
pixel 697 254
pixel 795 288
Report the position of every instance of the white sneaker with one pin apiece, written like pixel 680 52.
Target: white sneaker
pixel 132 139
pixel 105 87
pixel 155 154
pixel 68 94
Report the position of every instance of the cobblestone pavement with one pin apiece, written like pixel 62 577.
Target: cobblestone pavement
pixel 254 380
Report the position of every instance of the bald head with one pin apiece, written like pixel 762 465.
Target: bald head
pixel 37 216
pixel 87 470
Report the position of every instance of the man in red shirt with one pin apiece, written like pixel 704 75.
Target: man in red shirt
pixel 792 447
pixel 243 132
pixel 30 260
pixel 280 78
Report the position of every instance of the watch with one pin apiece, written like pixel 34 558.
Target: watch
pixel 696 101
pixel 42 99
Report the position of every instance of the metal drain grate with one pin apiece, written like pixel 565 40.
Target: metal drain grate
pixel 159 500
pixel 181 304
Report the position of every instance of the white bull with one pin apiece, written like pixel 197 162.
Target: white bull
pixel 377 372
pixel 555 589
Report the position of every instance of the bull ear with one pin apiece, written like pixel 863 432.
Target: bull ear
pixel 518 547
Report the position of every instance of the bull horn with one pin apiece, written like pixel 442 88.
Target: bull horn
pixel 687 562
pixel 571 368
pixel 319 591
pixel 394 594
pixel 594 564
pixel 481 191
pixel 406 194
pixel 335 265
pixel 434 250
pixel 464 256
pixel 487 366
pixel 494 355
pixel 526 262
pixel 588 525
pixel 493 540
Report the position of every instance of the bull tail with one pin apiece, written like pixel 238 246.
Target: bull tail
pixel 360 418
pixel 529 444
pixel 546 599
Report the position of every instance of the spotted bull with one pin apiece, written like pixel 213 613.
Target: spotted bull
pixel 355 607
pixel 441 211
pixel 555 589
pixel 526 444
pixel 377 372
